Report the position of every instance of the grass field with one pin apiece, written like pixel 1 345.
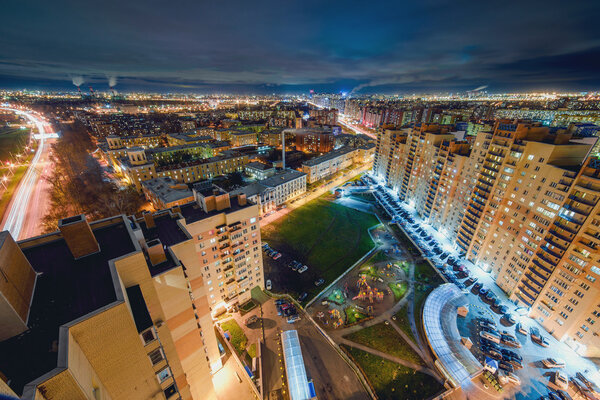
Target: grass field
pixel 384 338
pixel 426 279
pixel 403 322
pixel 12 141
pixel 399 289
pixel 238 337
pixel 353 315
pixel 325 236
pixel 394 381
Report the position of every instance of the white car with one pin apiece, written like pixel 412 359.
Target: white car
pixel 513 378
pixel 560 380
pixel 492 337
pixel 268 284
pixel 302 269
pixel 553 363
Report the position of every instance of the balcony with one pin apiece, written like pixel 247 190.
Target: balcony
pixel 539 274
pixel 583 200
pixel 534 280
pixel 541 266
pixel 561 236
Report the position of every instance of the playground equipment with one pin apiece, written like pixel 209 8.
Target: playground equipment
pixel 367 292
pixel 336 316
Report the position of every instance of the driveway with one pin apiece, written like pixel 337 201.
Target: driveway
pixel 332 377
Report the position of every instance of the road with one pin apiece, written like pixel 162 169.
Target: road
pixel 356 128
pixel 30 201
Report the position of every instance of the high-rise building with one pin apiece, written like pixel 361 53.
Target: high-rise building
pixel 121 308
pixel 520 202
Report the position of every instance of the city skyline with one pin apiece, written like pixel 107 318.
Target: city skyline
pixel 435 46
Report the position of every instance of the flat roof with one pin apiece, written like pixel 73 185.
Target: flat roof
pixel 294 366
pixel 329 156
pixel 282 177
pixel 167 189
pixel 166 229
pixel 193 212
pixel 259 166
pixel 66 289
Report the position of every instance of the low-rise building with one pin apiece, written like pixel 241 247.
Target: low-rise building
pixel 276 190
pixel 259 170
pixel 179 139
pixel 328 164
pixel 164 192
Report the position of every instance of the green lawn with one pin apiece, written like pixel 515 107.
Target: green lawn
pixel 325 236
pixel 247 306
pixel 399 289
pixel 426 279
pixel 252 350
pixel 403 322
pixel 12 141
pixel 354 315
pixel 384 338
pixel 404 240
pixel 11 186
pixel 238 337
pixel 394 381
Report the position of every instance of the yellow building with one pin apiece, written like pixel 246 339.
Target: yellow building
pixel 243 138
pixel 121 308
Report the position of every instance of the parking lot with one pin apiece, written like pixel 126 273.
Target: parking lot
pixel 486 300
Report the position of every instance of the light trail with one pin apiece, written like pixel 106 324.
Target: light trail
pixel 342 120
pixel 18 210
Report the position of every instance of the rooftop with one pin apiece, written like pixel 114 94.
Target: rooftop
pixel 167 229
pixel 328 156
pixel 282 177
pixel 66 289
pixel 167 189
pixel 192 212
pixel 259 166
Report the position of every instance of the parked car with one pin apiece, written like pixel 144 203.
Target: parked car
pixel 509 340
pixel 470 281
pixel 277 256
pixel 302 269
pixel 564 395
pixel 293 318
pixel 521 329
pixel 319 282
pixel 553 363
pixel 582 388
pixel 517 364
pixel 250 320
pixel 491 336
pixel 512 354
pixel 483 342
pixel 486 324
pixel 510 319
pixel 491 352
pixel 513 378
pixel 505 366
pixel 268 284
pixel 560 380
pixel 265 245
pixel 303 296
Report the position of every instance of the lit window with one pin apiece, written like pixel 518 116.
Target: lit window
pixel 163 374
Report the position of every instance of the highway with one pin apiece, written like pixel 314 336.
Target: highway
pixel 29 204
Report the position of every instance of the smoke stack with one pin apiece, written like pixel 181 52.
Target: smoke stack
pixel 79 236
pixel 283 149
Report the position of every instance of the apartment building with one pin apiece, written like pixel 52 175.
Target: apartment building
pixel 243 138
pixel 227 246
pixel 180 139
pixel 104 310
pixel 520 202
pixel 137 167
pixel 313 140
pixel 561 284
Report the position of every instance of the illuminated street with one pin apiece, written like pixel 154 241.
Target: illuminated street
pixel 30 201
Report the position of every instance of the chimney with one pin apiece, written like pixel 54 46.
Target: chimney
pixel 283 149
pixel 177 209
pixel 149 219
pixel 222 202
pixel 16 287
pixel 79 236
pixel 156 252
pixel 241 199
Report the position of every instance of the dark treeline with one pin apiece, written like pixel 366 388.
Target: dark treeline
pixel 78 184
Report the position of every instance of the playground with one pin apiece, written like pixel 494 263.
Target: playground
pixel 368 290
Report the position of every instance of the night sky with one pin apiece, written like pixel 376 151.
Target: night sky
pixel 291 46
